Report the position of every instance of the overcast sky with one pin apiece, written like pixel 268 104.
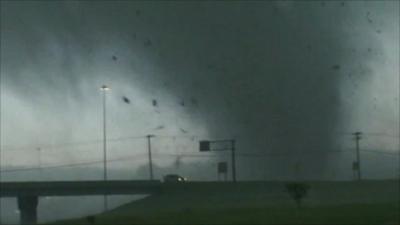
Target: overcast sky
pixel 294 78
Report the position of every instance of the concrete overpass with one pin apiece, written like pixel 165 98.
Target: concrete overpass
pixel 28 193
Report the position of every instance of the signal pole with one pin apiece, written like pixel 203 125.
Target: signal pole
pixel 149 151
pixel 205 147
pixel 357 166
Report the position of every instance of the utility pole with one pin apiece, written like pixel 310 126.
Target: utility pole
pixel 357 165
pixel 233 161
pixel 39 161
pixel 149 151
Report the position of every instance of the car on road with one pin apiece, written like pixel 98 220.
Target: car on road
pixel 174 178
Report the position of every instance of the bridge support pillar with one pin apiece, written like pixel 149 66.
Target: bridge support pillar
pixel 28 209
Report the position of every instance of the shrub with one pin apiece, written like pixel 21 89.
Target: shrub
pixel 297 191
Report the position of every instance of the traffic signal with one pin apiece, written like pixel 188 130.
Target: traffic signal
pixel 205 146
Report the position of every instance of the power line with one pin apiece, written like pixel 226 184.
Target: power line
pixel 69 165
pixel 381 152
pixel 46 147
pixel 143 155
pixel 382 135
pixel 72 144
pixel 82 143
pixel 372 134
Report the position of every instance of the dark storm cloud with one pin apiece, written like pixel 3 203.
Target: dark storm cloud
pixel 266 73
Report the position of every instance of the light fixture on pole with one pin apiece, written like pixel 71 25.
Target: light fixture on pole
pixel 104 89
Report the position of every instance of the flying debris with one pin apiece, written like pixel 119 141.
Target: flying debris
pixel 154 102
pixel 336 67
pixel 211 66
pixel 159 127
pixel 126 100
pixel 147 42
pixel 193 100
pixel 182 102
pixel 369 18
pixel 216 68
pixel 183 130
pixel 228 103
pixel 114 58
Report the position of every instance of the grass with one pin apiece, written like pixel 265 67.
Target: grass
pixel 260 203
pixel 341 214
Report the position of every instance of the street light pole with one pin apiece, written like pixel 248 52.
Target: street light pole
pixel 104 89
pixel 149 151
